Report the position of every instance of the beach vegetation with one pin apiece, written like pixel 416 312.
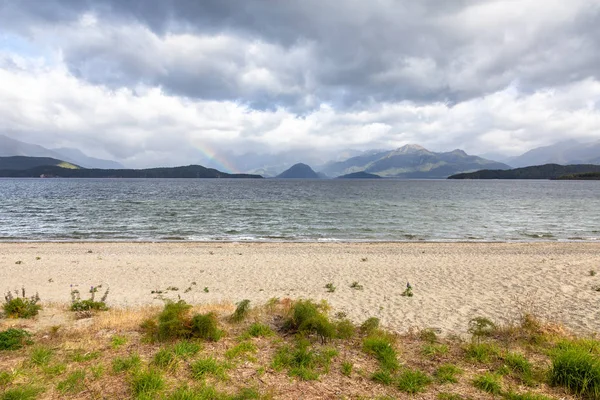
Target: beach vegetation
pixel 447 373
pixel 78 304
pixel 303 361
pixel 435 350
pixel 382 376
pixel 480 327
pixel 428 335
pixel 146 384
pixel 408 291
pixel 259 330
pixel 186 348
pixel 165 358
pixel 592 272
pixel 41 355
pixel 306 317
pixel 488 382
pixel 347 368
pixel 73 383
pixel 241 311
pixel 381 346
pixel 14 339
pixel 330 287
pixel 369 326
pixel 412 381
pixel 124 364
pixel 209 366
pixel 576 366
pixel 21 392
pixel 117 341
pixel 240 350
pixel 205 326
pixel 356 286
pixel 482 352
pixel 450 396
pixel 19 305
pixel 345 329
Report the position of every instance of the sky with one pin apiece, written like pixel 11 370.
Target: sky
pixel 173 82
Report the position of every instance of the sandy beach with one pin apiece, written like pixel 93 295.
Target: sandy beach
pixel 452 282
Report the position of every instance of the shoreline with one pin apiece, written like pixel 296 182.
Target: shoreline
pixel 452 281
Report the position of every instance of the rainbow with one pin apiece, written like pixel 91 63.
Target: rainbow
pixel 220 162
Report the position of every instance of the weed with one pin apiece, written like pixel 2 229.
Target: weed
pixel 408 291
pixel 55 369
pixel 81 356
pixel 480 327
pixel 519 365
pixel 307 317
pixel 382 348
pixel 165 359
pixel 434 350
pixel 40 356
pixel 488 383
pixel 428 335
pixel 382 376
pixel 525 396
pixel 121 364
pixel 347 368
pixel 412 381
pixel 576 368
pixel 186 349
pixel 146 384
pixel 356 286
pixel 447 373
pixel 370 326
pixel 77 304
pixel 117 341
pixel 19 262
pixel 206 289
pixel 24 392
pixel 330 287
pixel 364 259
pixel 6 378
pixel 481 352
pixel 204 326
pixel 303 362
pixel 345 329
pixel 209 366
pixel 14 339
pixel 241 349
pixel 173 321
pixel 592 272
pixel 97 371
pixel 241 311
pixel 21 306
pixel 73 383
pixel 259 330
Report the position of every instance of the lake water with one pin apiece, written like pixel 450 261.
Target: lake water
pixel 298 210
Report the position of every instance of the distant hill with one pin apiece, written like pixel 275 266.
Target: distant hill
pixel 583 176
pixel 359 175
pixel 12 147
pixel 564 153
pixel 190 171
pixel 412 161
pixel 547 171
pixel 298 171
pixel 23 163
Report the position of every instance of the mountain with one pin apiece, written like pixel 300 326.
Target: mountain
pixel 565 152
pixel 359 175
pixel 78 157
pixel 23 163
pixel 11 147
pixel 412 161
pixel 190 171
pixel 298 171
pixel 547 171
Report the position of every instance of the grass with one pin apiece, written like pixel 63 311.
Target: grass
pixel 123 364
pixel 330 287
pixel 412 381
pixel 241 311
pixel 117 341
pixel 205 326
pixel 259 330
pixel 347 368
pixel 434 350
pixel 577 368
pixel 73 383
pixel 24 392
pixel 14 339
pixel 241 349
pixel 185 349
pixel 447 373
pixel 165 358
pixel 489 383
pixel 40 356
pixel 147 383
pixel 482 352
pixel 209 366
pixel 382 348
pixel 302 361
pixel 307 317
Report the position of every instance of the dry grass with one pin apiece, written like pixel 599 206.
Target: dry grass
pixel 87 345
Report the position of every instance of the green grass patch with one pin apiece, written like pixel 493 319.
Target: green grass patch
pixel 205 326
pixel 382 348
pixel 23 392
pixel 449 396
pixel 347 368
pixel 434 350
pixel 209 366
pixel 185 348
pixel 40 356
pixel 242 349
pixel 123 364
pixel 241 311
pixel 482 352
pixel 147 384
pixel 369 326
pixel 525 396
pixel 118 341
pixel 382 376
pixel 303 361
pixel 412 381
pixel 447 373
pixel 489 383
pixel 14 339
pixel 21 306
pixel 165 358
pixel 73 383
pixel 307 317
pixel 259 330
pixel 80 355
pixel 345 329
pixel 576 368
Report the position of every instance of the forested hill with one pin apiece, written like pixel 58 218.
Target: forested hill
pixel 190 171
pixel 547 171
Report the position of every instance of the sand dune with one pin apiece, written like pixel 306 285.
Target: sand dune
pixel 452 282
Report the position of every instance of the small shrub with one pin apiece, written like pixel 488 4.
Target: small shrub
pixel 174 321
pixel 428 335
pixel 121 364
pixel 356 286
pixel 147 383
pixel 345 329
pixel 330 287
pixel 412 381
pixel 347 368
pixel 382 376
pixel 209 366
pixel 383 350
pixel 480 327
pixel 40 356
pixel 241 311
pixel 447 373
pixel 408 292
pixel 369 326
pixel 21 306
pixel 488 383
pixel 205 326
pixel 14 339
pixel 592 272
pixel 77 304
pixel 259 330
pixel 307 317
pixel 73 383
pixel 577 369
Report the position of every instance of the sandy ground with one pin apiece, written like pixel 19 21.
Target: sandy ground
pixel 452 282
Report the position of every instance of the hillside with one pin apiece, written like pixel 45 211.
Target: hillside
pixel 24 163
pixel 190 171
pixel 298 171
pixel 565 153
pixel 359 175
pixel 412 161
pixel 547 171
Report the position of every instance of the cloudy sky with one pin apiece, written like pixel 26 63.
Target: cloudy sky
pixel 165 82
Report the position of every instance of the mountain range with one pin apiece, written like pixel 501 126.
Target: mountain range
pixel 564 153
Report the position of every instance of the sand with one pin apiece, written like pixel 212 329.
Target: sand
pixel 452 282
